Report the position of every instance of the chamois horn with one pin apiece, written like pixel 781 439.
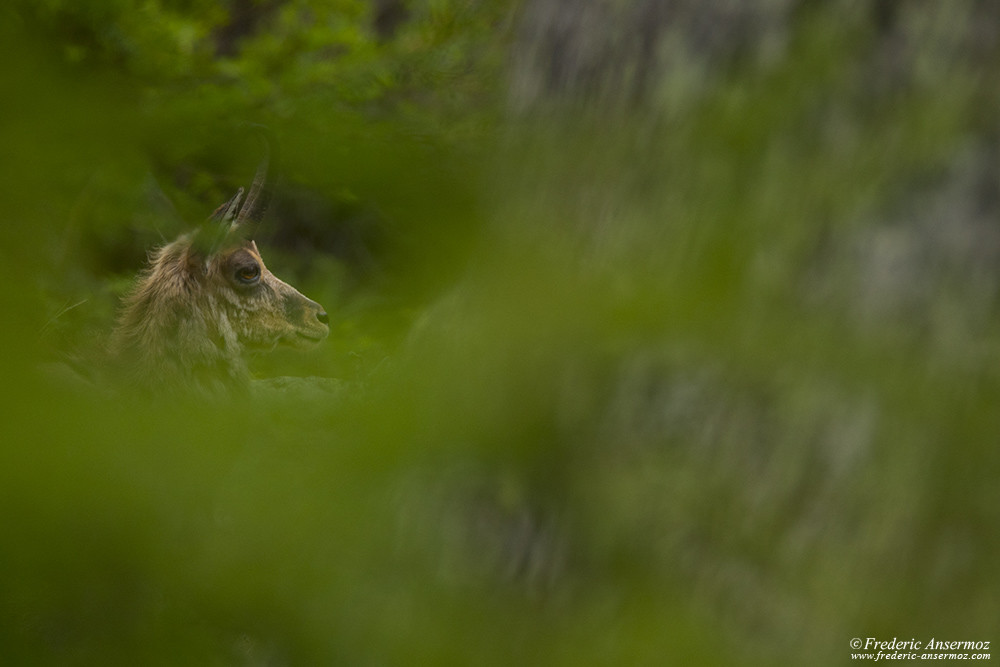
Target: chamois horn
pixel 246 217
pixel 261 191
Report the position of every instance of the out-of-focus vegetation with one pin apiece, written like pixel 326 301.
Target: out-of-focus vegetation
pixel 667 331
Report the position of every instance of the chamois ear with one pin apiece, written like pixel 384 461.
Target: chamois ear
pixel 226 214
pixel 217 231
pixel 262 189
pixel 238 218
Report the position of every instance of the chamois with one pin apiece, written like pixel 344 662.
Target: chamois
pixel 204 299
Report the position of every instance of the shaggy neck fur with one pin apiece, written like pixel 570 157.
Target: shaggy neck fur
pixel 173 333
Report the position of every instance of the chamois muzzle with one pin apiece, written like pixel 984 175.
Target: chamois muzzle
pixel 310 321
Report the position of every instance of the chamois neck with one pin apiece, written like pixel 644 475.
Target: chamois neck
pixel 171 333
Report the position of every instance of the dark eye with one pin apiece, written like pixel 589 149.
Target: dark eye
pixel 248 275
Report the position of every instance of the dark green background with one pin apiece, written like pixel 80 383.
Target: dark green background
pixel 667 332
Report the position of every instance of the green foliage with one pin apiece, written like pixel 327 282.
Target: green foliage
pixel 618 385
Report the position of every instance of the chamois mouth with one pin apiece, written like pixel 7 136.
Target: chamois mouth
pixel 308 338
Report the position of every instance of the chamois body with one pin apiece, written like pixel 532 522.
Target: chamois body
pixel 204 299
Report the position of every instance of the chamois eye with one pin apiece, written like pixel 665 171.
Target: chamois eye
pixel 248 275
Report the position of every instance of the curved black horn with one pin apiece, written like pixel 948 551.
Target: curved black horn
pixel 261 191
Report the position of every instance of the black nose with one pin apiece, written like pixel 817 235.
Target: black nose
pixel 323 317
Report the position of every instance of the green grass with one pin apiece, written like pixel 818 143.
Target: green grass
pixel 613 398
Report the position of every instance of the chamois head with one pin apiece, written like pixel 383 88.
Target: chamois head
pixel 205 298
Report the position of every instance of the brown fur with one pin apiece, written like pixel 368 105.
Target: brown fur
pixel 190 317
pixel 207 297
